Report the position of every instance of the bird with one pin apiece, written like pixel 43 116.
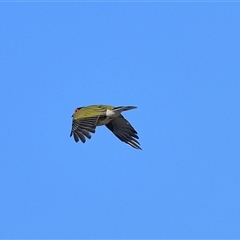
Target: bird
pixel 86 119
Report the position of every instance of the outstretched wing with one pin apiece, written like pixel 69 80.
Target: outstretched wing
pixel 81 128
pixel 123 130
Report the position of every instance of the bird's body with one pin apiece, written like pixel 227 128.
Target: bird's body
pixel 86 119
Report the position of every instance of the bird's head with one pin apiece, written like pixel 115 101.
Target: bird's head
pixel 76 110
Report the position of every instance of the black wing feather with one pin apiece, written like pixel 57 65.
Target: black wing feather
pixel 123 130
pixel 81 128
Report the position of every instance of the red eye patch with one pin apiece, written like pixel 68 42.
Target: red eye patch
pixel 76 110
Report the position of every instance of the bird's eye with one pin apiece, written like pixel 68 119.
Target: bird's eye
pixel 76 109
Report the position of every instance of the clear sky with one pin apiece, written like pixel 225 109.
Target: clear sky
pixel 179 63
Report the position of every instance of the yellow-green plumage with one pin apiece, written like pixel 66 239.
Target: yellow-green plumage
pixel 91 111
pixel 86 119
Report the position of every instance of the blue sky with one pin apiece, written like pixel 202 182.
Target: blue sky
pixel 177 62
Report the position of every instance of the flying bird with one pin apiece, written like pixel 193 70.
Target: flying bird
pixel 86 119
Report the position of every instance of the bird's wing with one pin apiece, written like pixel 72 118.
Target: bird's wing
pixel 82 127
pixel 85 121
pixel 123 130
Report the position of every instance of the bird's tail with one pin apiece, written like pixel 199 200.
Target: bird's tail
pixel 122 108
